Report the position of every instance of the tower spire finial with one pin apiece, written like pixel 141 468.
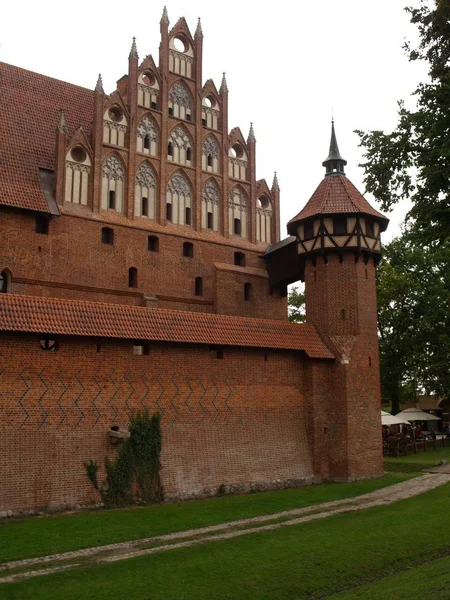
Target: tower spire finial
pixel 251 134
pixel 165 17
pixel 275 184
pixel 198 31
pixel 99 87
pixel 133 51
pixel 223 85
pixel 61 127
pixel 334 163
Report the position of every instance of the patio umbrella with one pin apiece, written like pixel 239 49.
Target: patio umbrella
pixel 387 419
pixel 415 414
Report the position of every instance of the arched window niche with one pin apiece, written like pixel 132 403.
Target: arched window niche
pixel 237 212
pixel 180 103
pixel 210 205
pixel 178 199
pixel 113 179
pixel 263 219
pixel 179 148
pixel 5 282
pixel 210 155
pixel 147 136
pixel 145 192
pixel 78 169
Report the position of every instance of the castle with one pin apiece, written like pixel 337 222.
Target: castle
pixel 141 267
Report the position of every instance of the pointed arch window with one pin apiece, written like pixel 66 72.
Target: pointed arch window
pixel 148 90
pixel 145 192
pixel 210 155
pixel 113 178
pixel 180 103
pixel 78 169
pixel 178 199
pixel 210 112
pixel 114 126
pixel 210 205
pixel 263 219
pixel 147 136
pixel 181 56
pixel 237 162
pixel 179 148
pixel 237 212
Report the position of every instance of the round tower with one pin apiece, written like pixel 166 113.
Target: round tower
pixel 338 245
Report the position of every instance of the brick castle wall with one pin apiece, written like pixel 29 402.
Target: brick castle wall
pixel 237 421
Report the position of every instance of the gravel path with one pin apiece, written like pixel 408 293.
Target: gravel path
pixel 34 567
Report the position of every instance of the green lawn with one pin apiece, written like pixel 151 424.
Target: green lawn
pixel 27 538
pixel 415 463
pixel 431 580
pixel 311 560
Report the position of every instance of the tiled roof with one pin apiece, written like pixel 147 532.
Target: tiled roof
pixel 94 319
pixel 30 104
pixel 336 194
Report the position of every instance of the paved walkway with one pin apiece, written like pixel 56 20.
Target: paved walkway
pixel 46 565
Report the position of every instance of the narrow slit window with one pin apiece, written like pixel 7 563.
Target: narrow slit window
pixel 132 277
pixel 188 250
pixel 107 236
pixel 168 212
pixel 210 220
pixel 237 227
pixel 147 142
pixel 153 243
pixel 198 286
pixel 170 149
pixel 41 224
pixel 247 292
pixel 189 154
pixel 4 282
pixel 210 160
pixel 370 230
pixel 154 105
pixel 239 259
pixel 170 111
pixel 188 215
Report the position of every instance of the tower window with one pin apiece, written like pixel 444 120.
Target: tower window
pixel 153 243
pixel 168 212
pixel 112 200
pixel 132 277
pixel 198 286
pixel 210 220
pixel 189 154
pixel 170 149
pixel 41 224
pixel 188 250
pixel 370 230
pixel 308 230
pixel 147 142
pixel 209 160
pixel 239 259
pixel 188 117
pixel 107 236
pixel 237 227
pixel 154 106
pixel 188 215
pixel 339 225
pixel 247 292
pixel 145 207
pixel 170 111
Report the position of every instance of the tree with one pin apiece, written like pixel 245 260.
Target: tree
pixel 296 306
pixel 413 162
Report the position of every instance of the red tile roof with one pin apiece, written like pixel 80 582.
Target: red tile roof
pixel 30 104
pixel 94 319
pixel 336 194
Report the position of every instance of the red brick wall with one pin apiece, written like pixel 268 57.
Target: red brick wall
pixel 72 262
pixel 354 400
pixel 238 421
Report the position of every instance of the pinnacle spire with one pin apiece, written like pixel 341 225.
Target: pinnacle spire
pixel 223 85
pixel 334 163
pixel 99 87
pixel 198 31
pixel 275 184
pixel 165 17
pixel 61 127
pixel 133 51
pixel 251 134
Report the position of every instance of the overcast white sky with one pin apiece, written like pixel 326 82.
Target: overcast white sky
pixel 288 65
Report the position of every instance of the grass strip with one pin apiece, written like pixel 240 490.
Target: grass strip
pixel 311 560
pixel 431 580
pixel 27 538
